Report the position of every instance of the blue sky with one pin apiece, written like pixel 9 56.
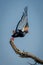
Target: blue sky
pixel 10 13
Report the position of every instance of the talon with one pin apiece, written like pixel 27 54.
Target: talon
pixel 12 39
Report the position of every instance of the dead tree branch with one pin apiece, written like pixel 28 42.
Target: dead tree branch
pixel 32 64
pixel 25 54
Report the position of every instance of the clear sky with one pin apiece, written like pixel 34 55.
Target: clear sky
pixel 10 13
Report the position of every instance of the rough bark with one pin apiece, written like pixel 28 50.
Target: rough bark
pixel 25 54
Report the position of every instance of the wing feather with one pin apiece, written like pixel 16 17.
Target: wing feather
pixel 23 21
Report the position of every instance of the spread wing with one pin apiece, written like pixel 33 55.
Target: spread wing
pixel 23 21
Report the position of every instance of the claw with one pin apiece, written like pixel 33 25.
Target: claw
pixel 12 39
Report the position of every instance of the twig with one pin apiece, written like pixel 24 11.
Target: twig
pixel 32 64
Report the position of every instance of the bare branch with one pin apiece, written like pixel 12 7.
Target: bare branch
pixel 25 54
pixel 32 64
